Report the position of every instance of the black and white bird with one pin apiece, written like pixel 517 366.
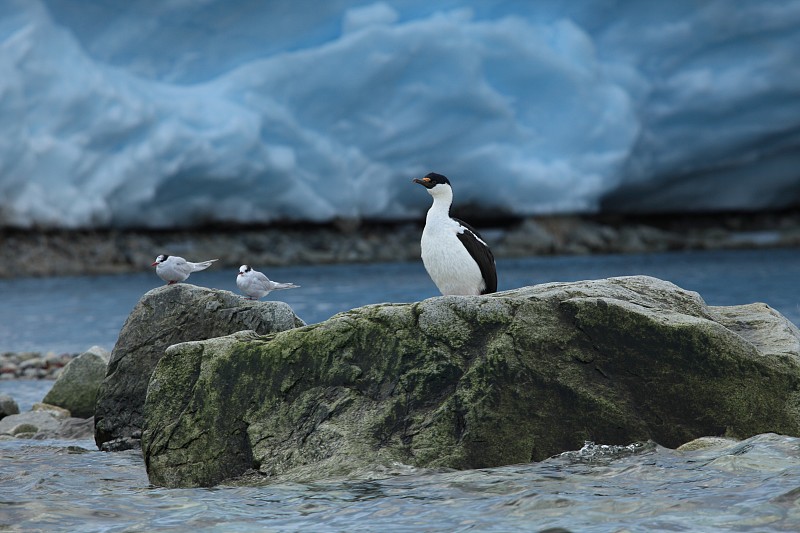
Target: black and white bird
pixel 456 257
pixel 173 269
pixel 257 285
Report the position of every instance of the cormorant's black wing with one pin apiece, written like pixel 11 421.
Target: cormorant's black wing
pixel 481 253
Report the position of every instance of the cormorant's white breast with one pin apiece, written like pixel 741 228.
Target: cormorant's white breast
pixel 456 257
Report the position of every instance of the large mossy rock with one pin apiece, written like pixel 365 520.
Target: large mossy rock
pixel 470 382
pixel 165 316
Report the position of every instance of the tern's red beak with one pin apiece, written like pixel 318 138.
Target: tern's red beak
pixel 154 264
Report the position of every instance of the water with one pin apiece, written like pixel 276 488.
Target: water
pixel 754 486
pixel 72 314
pixel 26 392
pixel 69 486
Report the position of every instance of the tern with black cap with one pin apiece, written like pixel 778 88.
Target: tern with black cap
pixel 256 284
pixel 174 269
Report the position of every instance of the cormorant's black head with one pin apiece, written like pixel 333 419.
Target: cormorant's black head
pixel 432 180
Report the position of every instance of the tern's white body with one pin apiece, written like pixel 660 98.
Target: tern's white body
pixel 173 269
pixel 449 264
pixel 256 285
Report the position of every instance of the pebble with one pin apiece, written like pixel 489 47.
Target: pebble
pixel 33 365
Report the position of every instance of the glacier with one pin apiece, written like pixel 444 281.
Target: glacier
pixel 173 113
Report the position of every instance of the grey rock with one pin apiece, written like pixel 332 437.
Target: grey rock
pixel 32 422
pixel 32 365
pixel 28 364
pixel 76 428
pixel 590 235
pixel 121 444
pixel 707 443
pixel 472 382
pixel 100 351
pixel 58 412
pixel 630 241
pixel 165 316
pixel 762 326
pixel 8 406
pixel 76 387
pixel 529 238
pixel 46 422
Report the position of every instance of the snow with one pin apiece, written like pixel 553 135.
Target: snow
pixel 173 113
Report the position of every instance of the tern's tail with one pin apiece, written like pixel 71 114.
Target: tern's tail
pixel 196 267
pixel 285 286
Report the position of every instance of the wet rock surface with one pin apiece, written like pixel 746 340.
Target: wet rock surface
pixel 46 421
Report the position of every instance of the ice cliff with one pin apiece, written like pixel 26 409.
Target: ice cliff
pixel 165 113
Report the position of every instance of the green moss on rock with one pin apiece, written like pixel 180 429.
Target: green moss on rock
pixel 168 315
pixel 77 386
pixel 468 382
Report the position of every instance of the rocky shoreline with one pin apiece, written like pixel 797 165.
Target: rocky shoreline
pixel 26 253
pixel 67 410
pixel 33 365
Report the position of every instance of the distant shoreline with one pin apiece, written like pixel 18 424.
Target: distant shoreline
pixel 26 253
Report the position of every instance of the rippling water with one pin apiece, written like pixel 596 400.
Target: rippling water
pixel 69 486
pixel 752 486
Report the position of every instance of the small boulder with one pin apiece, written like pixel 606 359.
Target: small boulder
pixel 707 443
pixel 76 428
pixel 42 419
pixel 165 316
pixel 55 410
pixel 8 406
pixel 77 384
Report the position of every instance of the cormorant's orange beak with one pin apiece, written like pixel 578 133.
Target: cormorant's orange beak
pixel 425 182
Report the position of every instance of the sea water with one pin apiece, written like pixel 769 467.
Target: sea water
pixel 66 485
pixel 753 485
